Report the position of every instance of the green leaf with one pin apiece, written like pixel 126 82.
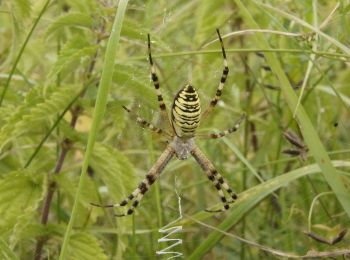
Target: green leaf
pixel 134 30
pixel 76 20
pixel 85 246
pixel 308 131
pixel 130 80
pixel 247 200
pixel 73 51
pixel 20 194
pixel 36 108
pixel 21 51
pixel 297 20
pixel 114 169
pixel 54 103
pixel 5 251
pixel 100 108
pixel 24 7
pixel 68 186
pixel 71 133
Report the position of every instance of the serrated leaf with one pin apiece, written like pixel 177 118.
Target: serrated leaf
pixel 20 193
pixel 85 246
pixel 68 185
pixel 138 84
pixel 77 20
pixel 5 251
pixel 72 52
pixel 24 221
pixel 8 129
pixel 42 109
pixel 118 115
pixel 134 30
pixel 71 133
pixel 54 103
pixel 114 169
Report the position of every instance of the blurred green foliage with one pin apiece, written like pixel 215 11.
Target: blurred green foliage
pixel 63 59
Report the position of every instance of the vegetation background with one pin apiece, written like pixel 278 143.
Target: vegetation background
pixel 52 55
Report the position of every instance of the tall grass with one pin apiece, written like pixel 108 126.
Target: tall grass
pixel 66 70
pixel 99 111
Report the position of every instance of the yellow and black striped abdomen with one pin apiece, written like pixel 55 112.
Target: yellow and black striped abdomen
pixel 186 111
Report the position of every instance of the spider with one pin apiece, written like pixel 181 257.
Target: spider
pixel 185 118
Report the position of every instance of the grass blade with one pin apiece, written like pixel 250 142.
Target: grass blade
pixel 295 19
pixel 246 201
pixel 100 107
pixel 7 84
pixel 309 133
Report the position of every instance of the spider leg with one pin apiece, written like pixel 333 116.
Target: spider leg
pixel 133 206
pixel 145 185
pixel 220 192
pixel 225 71
pixel 145 124
pixel 226 132
pixel 155 80
pixel 216 178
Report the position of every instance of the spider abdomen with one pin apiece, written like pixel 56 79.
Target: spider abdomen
pixel 185 113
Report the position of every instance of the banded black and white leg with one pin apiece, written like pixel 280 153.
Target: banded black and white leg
pixel 225 71
pixel 145 124
pixel 156 84
pixel 216 178
pixel 136 196
pixel 226 132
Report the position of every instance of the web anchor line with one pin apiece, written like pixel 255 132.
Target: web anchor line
pixel 170 230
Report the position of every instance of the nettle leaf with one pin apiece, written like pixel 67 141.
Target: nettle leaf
pixel 74 51
pixel 115 170
pixel 44 108
pixel 83 6
pixel 5 251
pixel 85 246
pixel 14 112
pixel 9 131
pixel 71 133
pixel 139 84
pixel 76 20
pixel 5 113
pixel 54 103
pixel 23 6
pixel 20 194
pixel 68 184
pixel 118 116
pixel 132 30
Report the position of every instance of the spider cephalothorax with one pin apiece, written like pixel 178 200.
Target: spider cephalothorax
pixel 185 119
pixel 182 147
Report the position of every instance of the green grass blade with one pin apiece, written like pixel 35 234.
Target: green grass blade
pixel 312 59
pixel 242 158
pixel 53 127
pixel 295 19
pixel 309 133
pixel 246 201
pixel 329 55
pixel 7 84
pixel 100 107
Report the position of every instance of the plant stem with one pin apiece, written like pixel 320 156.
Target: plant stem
pixel 48 199
pixel 7 84
pixel 100 107
pixel 66 146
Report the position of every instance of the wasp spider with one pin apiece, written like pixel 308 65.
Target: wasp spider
pixel 185 118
